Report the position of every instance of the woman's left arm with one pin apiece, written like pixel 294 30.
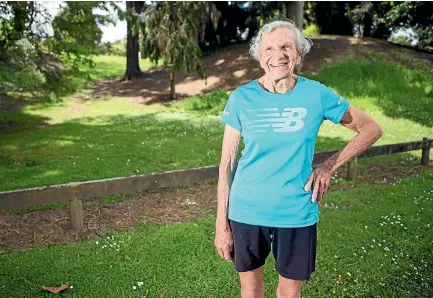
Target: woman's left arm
pixel 368 132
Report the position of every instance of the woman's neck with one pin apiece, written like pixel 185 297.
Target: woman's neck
pixel 278 86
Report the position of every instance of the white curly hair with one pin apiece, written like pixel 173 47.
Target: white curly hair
pixel 303 43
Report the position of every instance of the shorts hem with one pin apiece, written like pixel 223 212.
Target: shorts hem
pixel 249 268
pixel 295 277
pixel 274 225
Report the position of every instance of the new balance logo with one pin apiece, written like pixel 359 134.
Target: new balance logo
pixel 289 120
pixel 340 100
pixel 226 113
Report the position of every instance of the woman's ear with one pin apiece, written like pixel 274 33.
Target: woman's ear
pixel 298 60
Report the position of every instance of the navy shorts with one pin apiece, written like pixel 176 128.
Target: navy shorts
pixel 294 249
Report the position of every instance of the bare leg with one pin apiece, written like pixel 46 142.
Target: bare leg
pixel 252 285
pixel 289 288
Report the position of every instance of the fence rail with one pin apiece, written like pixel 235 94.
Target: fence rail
pixel 75 192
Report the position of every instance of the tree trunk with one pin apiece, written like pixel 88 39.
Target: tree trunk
pixel 132 45
pixel 295 12
pixel 172 84
pixel 368 22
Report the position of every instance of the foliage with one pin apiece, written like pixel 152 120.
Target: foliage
pixel 370 18
pixel 311 30
pixel 19 72
pixel 117 48
pixel 331 17
pixel 416 15
pixel 31 59
pixel 170 31
pixel 76 31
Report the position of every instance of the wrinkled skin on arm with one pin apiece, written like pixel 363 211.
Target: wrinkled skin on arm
pixel 368 133
pixel 223 235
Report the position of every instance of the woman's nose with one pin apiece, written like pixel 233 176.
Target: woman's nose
pixel 279 53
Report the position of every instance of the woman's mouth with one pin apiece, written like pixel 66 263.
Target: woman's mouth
pixel 283 64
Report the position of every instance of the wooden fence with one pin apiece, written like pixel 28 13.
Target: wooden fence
pixel 75 192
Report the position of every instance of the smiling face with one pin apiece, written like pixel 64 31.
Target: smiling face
pixel 279 53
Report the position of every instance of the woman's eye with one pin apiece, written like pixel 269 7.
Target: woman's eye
pixel 288 47
pixel 267 49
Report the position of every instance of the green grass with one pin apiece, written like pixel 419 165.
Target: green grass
pixel 179 260
pixel 112 137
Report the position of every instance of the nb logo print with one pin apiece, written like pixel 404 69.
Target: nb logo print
pixel 289 120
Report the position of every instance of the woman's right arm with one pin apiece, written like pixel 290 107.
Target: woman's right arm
pixel 223 236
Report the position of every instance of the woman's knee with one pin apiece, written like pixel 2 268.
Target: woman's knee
pixel 289 288
pixel 252 285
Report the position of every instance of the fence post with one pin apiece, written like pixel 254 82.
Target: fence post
pixel 351 169
pixel 425 154
pixel 77 215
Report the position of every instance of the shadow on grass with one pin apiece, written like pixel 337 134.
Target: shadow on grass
pixel 12 122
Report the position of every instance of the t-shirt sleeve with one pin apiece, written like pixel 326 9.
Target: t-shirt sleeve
pixel 230 115
pixel 334 105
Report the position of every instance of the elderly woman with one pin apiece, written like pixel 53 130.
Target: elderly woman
pixel 275 192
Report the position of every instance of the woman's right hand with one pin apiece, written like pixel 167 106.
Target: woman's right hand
pixel 224 240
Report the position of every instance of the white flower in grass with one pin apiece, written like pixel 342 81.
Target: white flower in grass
pixel 97 242
pixel 134 287
pixel 71 287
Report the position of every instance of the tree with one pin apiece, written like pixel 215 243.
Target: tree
pixel 134 9
pixel 27 48
pixel 171 32
pixel 331 17
pixel 295 12
pixel 413 15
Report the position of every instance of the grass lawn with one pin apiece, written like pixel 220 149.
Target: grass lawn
pixel 374 241
pixel 112 137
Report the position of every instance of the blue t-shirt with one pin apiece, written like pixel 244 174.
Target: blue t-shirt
pixel 279 132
